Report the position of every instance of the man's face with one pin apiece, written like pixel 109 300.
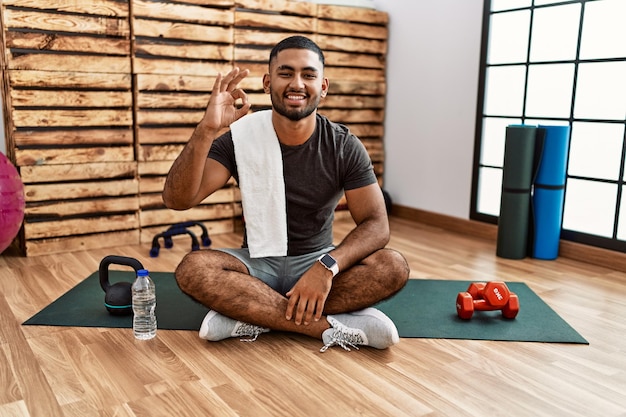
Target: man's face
pixel 296 83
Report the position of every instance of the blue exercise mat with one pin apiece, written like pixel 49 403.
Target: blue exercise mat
pixel 549 192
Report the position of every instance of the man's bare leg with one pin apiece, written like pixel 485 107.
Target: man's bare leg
pixel 222 282
pixel 376 278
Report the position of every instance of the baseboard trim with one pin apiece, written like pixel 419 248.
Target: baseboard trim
pixel 571 250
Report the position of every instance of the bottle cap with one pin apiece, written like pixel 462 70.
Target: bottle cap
pixel 142 273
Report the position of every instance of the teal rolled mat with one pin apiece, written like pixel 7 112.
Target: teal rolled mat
pixel 549 192
pixel 517 176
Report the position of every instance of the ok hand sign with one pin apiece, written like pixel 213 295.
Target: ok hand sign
pixel 223 108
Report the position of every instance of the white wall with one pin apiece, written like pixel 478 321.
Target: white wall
pixel 432 86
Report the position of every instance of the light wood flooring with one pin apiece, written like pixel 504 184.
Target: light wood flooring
pixel 64 371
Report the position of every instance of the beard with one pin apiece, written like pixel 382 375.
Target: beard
pixel 293 114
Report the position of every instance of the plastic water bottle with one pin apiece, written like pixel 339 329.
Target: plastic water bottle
pixel 144 304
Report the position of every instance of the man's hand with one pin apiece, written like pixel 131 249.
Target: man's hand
pixel 309 295
pixel 223 108
pixel 193 176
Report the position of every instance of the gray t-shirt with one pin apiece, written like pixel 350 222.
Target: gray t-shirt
pixel 316 174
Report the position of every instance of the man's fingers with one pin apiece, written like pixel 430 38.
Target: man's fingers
pixel 302 304
pixel 319 309
pixel 217 85
pixel 242 111
pixel 222 82
pixel 240 94
pixel 233 78
pixel 310 310
pixel 240 75
pixel 290 305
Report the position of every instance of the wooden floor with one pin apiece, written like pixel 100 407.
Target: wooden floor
pixel 64 371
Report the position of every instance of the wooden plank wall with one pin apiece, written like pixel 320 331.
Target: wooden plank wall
pixel 100 96
pixel 179 48
pixel 68 115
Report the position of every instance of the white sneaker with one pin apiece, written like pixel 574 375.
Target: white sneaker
pixel 217 327
pixel 368 327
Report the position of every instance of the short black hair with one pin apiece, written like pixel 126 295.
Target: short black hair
pixel 296 42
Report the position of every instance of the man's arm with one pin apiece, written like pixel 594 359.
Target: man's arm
pixel 367 207
pixel 193 176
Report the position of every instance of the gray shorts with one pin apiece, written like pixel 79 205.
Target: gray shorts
pixel 279 272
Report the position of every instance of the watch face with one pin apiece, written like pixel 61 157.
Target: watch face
pixel 328 261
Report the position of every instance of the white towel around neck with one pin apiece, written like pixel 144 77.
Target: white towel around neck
pixel 262 184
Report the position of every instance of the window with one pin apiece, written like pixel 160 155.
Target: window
pixel 557 63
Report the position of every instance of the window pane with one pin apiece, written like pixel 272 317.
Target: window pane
pixel 596 150
pixel 492 144
pixel 601 91
pixel 549 90
pixel 497 5
pixel 508 37
pixel 555 33
pixel 590 207
pixel 604 31
pixel 489 190
pixel 542 2
pixel 547 122
pixel 504 90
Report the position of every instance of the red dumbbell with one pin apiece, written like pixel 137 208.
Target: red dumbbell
pixel 487 296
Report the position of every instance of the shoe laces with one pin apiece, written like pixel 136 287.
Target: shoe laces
pixel 344 337
pixel 250 330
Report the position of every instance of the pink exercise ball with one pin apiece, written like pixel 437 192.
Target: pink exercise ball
pixel 11 202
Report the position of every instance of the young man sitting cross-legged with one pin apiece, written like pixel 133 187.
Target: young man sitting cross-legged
pixel 292 166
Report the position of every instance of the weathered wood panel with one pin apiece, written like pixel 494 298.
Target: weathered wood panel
pixel 37 247
pixel 70 79
pixel 70 103
pixel 275 21
pixel 56 117
pixel 359 30
pixel 355 45
pixel 64 22
pixel 190 12
pixel 61 156
pixel 225 195
pixel 93 7
pixel 65 43
pixel 71 98
pixel 213 227
pixel 48 62
pixel 81 226
pixel 54 210
pixel 62 137
pixel 180 48
pixel 200 213
pixel 184 50
pixel 352 14
pixel 70 191
pixel 75 172
pixel 182 31
pixel 285 6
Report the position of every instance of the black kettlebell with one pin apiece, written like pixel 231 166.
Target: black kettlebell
pixel 118 298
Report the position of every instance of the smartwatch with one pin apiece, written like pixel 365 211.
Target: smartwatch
pixel 329 263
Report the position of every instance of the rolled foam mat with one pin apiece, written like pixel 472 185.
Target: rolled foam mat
pixel 549 192
pixel 517 177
